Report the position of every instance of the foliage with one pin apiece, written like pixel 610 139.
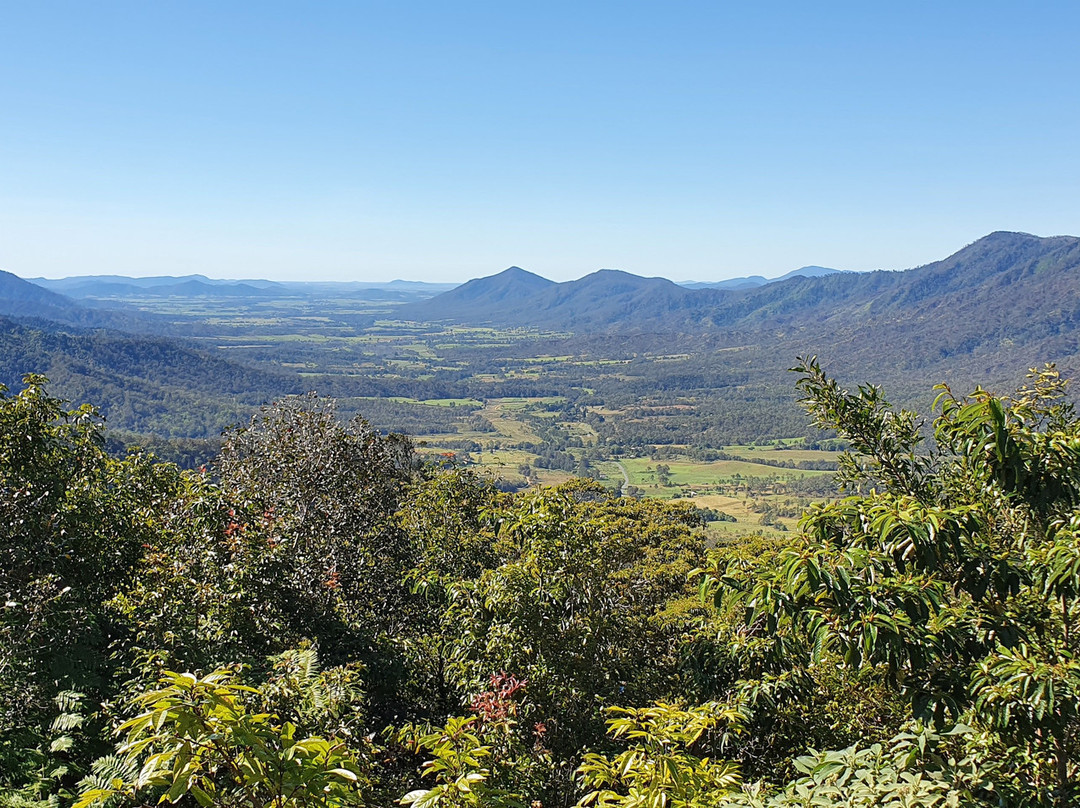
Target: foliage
pixel 198 738
pixel 954 577
pixel 945 588
pixel 294 543
pixel 72 524
pixel 577 605
pixel 325 702
pixel 328 492
pixel 913 771
pixel 461 770
pixel 659 770
pixel 48 769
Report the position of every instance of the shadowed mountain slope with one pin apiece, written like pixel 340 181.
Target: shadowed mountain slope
pixel 603 298
pixel 22 298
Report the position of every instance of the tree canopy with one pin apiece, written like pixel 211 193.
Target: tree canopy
pixel 316 618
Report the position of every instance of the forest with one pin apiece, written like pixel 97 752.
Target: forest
pixel 322 616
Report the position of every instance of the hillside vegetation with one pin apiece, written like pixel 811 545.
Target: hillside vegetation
pixel 317 618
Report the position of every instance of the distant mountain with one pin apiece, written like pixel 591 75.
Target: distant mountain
pixel 111 288
pixel 747 282
pixel 23 298
pixel 197 288
pixel 600 299
pixel 484 297
pixel 808 272
pixel 1007 292
pixel 514 296
pixel 750 281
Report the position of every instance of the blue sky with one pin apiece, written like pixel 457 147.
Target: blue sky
pixel 446 140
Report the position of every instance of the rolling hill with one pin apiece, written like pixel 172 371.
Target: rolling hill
pixel 23 299
pixel 146 384
pixel 985 314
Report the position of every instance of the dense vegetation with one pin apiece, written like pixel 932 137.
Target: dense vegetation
pixel 318 618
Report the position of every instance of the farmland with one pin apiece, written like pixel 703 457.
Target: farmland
pixel 523 407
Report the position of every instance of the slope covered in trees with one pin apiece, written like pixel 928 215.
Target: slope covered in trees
pixel 149 385
pixel 317 619
pixel 1003 284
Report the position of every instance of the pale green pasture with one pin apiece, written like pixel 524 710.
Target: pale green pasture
pixel 543 360
pixel 749 521
pixel 429 402
pixel 642 471
pixel 780 454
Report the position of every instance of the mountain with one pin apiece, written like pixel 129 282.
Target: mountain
pixel 599 299
pixel 115 288
pixel 750 281
pixel 808 272
pixel 112 286
pixel 198 288
pixel 517 297
pixel 141 383
pixel 20 298
pixel 482 297
pixel 747 282
pixel 1004 289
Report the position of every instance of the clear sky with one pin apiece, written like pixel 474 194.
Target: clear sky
pixel 447 140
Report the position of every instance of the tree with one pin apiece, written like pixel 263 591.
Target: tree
pixel 294 541
pixel 331 491
pixel 461 766
pixel 577 605
pixel 952 571
pixel 661 769
pixel 72 525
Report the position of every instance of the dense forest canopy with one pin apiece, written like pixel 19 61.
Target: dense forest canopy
pixel 318 618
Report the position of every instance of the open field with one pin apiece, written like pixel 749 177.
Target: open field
pixel 781 453
pixel 530 408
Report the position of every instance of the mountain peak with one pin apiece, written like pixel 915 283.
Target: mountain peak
pixel 494 292
pixel 517 272
pixel 811 271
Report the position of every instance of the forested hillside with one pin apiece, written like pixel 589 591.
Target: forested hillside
pixel 1004 278
pixel 150 386
pixel 317 618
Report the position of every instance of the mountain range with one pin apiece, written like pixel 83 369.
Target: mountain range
pixel 1002 282
pixel 23 299
pixel 1006 302
pixel 108 287
pixel 751 281
pixel 1006 286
